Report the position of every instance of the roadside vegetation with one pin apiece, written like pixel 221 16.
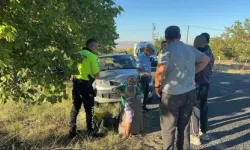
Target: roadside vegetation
pixel 37 40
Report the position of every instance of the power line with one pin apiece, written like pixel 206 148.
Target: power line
pixel 207 28
pixel 135 30
pixel 154 35
pixel 190 26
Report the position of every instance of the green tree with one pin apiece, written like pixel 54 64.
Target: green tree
pixel 237 38
pixel 234 43
pixel 39 35
pixel 157 44
pixel 217 45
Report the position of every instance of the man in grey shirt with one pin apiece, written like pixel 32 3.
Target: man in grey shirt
pixel 175 84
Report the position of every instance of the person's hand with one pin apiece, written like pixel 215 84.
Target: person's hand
pixel 158 91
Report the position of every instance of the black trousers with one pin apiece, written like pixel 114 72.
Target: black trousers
pixel 82 93
pixel 175 112
pixel 144 84
pixel 200 110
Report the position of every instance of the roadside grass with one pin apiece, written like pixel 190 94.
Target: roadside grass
pixel 232 67
pixel 46 126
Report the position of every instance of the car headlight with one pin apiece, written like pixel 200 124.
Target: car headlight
pixel 103 82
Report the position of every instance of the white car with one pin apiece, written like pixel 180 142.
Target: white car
pixel 115 69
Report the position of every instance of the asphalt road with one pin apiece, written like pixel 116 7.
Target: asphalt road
pixel 229 112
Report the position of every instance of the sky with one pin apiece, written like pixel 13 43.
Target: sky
pixel 136 22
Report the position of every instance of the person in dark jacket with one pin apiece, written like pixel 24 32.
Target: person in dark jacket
pixel 202 79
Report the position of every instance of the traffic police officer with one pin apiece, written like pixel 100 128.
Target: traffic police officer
pixel 83 92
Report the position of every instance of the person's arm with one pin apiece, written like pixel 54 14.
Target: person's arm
pixel 211 56
pixel 159 75
pixel 211 63
pixel 161 71
pixel 94 66
pixel 201 60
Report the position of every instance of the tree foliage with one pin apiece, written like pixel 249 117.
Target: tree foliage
pixel 39 35
pixel 157 44
pixel 234 43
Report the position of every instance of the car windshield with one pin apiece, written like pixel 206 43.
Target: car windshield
pixel 116 62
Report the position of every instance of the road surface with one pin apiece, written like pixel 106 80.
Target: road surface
pixel 229 115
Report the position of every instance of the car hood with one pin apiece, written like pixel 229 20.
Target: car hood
pixel 118 75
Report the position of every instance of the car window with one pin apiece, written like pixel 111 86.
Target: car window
pixel 116 62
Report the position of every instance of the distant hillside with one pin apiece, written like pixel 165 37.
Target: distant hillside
pixel 125 44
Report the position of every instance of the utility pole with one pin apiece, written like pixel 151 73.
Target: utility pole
pixel 154 36
pixel 187 35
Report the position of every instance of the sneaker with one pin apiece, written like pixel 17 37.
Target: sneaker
pixel 195 140
pixel 200 133
pixel 205 137
pixel 94 135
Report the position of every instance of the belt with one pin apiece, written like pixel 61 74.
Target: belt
pixel 80 80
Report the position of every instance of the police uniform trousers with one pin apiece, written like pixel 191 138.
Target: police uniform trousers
pixel 82 93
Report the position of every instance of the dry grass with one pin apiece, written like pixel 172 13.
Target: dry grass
pixel 232 67
pixel 46 126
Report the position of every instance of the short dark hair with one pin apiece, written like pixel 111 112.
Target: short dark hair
pixel 172 32
pixel 200 39
pixel 90 41
pixel 162 42
pixel 207 36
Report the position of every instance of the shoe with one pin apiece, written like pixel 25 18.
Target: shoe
pixel 200 133
pixel 205 137
pixel 71 134
pixel 94 134
pixel 195 140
